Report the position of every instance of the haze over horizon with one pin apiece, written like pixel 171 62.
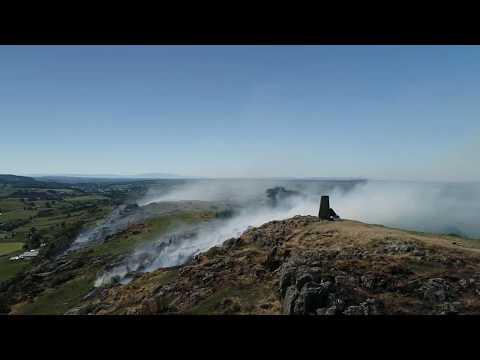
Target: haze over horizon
pixel 376 112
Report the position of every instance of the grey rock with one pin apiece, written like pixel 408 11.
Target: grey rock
pixel 287 278
pixel 372 307
pixel 321 311
pixel 367 281
pixel 419 253
pixel 436 290
pixel 288 304
pixel 343 280
pixel 332 310
pixel 354 310
pixel 302 280
pixel 79 310
pixel 313 298
pixel 450 308
pixel 231 243
pixel 338 303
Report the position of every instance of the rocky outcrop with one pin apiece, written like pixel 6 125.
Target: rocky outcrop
pixel 306 266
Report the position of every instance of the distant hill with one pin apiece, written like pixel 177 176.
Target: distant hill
pixel 17 180
pixel 107 176
pixel 103 178
pixel 26 181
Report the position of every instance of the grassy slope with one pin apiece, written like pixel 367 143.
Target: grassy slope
pixel 10 247
pixel 128 240
pixel 68 295
pixel 8 268
pixel 59 300
pixel 13 209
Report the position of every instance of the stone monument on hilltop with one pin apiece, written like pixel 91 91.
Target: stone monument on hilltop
pixel 326 212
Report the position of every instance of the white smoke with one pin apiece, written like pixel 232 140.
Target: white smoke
pixel 210 190
pixel 441 208
pixel 430 207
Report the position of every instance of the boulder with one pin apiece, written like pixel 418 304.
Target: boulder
pixel 302 280
pixel 287 278
pixel 354 310
pixel 288 304
pixel 312 297
pixel 436 290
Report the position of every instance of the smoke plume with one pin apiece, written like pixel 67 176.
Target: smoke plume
pixel 439 208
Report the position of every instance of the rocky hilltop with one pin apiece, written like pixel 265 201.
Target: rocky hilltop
pixel 304 265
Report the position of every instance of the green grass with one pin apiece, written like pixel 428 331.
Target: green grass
pixel 9 269
pixel 153 229
pixel 58 301
pixel 68 295
pixel 11 204
pixel 10 247
pixel 16 215
pixel 86 198
pixel 62 298
pixel 19 235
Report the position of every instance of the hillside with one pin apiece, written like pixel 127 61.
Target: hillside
pixel 17 180
pixel 304 265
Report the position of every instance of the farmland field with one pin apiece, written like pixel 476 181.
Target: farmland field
pixel 10 247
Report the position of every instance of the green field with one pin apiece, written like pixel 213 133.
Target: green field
pixel 87 198
pixel 9 269
pixel 50 216
pixel 32 215
pixel 127 241
pixel 10 247
pixel 58 301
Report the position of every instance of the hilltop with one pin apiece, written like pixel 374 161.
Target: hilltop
pixel 304 265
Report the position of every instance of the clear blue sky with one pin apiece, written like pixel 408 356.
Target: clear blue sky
pixel 385 112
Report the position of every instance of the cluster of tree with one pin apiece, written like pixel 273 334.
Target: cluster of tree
pixel 63 239
pixel 11 225
pixel 35 195
pixel 277 194
pixel 33 239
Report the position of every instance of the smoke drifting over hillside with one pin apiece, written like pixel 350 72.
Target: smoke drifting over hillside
pixel 441 208
pixel 436 207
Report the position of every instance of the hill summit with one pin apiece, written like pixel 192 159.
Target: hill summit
pixel 304 265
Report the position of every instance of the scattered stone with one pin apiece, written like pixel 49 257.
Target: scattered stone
pixel 354 310
pixel 332 310
pixel 450 308
pixel 321 311
pixel 436 290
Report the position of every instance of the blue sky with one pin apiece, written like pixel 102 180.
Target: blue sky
pixel 382 112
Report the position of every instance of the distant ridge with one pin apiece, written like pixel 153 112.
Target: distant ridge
pixel 109 176
pixel 16 180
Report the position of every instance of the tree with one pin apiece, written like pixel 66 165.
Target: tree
pixel 34 239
